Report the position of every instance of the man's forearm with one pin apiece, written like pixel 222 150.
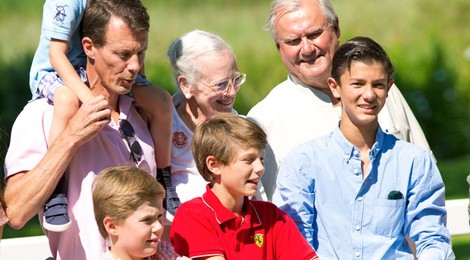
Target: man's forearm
pixel 26 192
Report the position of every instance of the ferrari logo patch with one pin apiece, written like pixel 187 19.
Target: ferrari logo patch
pixel 258 239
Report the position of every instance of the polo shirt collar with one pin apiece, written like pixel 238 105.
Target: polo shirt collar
pixel 125 102
pixel 222 214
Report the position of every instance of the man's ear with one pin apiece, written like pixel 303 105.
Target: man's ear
pixel 336 28
pixel 185 87
pixel 87 45
pixel 334 87
pixel 213 165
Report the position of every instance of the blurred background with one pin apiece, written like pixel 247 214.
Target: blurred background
pixel 427 40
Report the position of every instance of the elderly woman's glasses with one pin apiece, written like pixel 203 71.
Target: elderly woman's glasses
pixel 129 134
pixel 223 86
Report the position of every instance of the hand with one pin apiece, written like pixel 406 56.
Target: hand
pixel 89 119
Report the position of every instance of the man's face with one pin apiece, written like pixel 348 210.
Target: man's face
pixel 306 44
pixel 119 60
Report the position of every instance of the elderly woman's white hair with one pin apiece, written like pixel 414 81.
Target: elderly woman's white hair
pixel 185 51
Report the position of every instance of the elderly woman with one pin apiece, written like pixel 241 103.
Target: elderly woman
pixel 207 76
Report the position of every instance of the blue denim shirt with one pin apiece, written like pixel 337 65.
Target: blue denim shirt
pixel 345 216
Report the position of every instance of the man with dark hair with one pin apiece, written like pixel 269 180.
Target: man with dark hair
pixel 106 131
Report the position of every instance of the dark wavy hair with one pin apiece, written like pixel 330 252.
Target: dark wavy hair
pixel 99 12
pixel 361 49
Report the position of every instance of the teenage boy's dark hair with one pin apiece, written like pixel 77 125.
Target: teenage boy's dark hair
pixel 361 49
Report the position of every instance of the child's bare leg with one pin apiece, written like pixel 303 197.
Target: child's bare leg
pixel 157 102
pixel 66 104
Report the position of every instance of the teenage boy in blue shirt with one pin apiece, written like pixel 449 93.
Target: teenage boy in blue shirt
pixel 358 191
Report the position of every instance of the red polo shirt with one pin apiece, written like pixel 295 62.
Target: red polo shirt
pixel 204 227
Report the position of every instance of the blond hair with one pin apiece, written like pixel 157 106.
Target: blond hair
pixel 221 136
pixel 119 191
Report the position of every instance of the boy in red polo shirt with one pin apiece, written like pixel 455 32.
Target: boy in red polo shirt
pixel 224 223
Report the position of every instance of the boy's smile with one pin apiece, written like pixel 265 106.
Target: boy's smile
pixel 241 176
pixel 363 90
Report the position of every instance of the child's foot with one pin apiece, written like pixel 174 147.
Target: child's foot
pixel 56 218
pixel 171 202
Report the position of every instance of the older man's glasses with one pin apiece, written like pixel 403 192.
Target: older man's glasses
pixel 223 86
pixel 129 134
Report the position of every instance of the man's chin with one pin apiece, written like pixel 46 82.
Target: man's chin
pixel 122 90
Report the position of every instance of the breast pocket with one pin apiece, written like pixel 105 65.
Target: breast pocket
pixel 389 217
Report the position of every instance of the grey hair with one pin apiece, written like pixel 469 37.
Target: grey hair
pixel 282 7
pixel 185 51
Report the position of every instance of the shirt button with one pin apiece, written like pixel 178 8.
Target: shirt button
pixel 356 171
pixel 359 198
pixel 356 152
pixel 357 254
pixel 357 228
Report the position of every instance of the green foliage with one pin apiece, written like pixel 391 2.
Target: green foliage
pixel 460 245
pixel 32 228
pixel 441 107
pixel 454 173
pixel 13 97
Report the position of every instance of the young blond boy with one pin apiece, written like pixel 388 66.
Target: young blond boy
pixel 128 209
pixel 224 223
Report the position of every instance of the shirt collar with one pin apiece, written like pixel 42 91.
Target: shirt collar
pixel 351 151
pixel 125 102
pixel 222 214
pixel 320 95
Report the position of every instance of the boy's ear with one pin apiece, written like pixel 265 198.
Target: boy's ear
pixel 390 84
pixel 213 165
pixel 110 226
pixel 185 86
pixel 334 87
